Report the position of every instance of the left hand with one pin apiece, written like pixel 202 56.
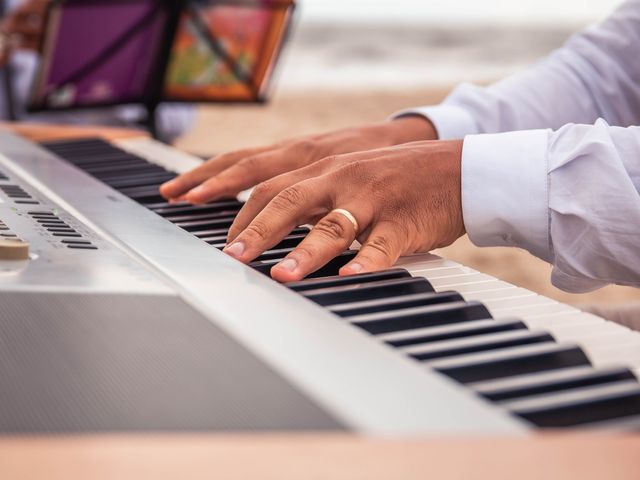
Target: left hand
pixel 406 199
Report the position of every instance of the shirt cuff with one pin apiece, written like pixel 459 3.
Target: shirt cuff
pixel 505 198
pixel 451 122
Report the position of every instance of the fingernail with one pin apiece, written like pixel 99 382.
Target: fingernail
pixel 355 267
pixel 288 264
pixel 235 249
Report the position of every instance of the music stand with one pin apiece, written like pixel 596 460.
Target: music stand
pixel 138 59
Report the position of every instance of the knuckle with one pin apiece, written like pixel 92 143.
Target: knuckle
pixel 331 229
pixel 306 145
pixel 381 245
pixel 290 197
pixel 257 230
pixel 262 191
pixel 249 164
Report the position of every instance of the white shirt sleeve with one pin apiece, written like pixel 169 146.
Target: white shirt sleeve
pixel 569 196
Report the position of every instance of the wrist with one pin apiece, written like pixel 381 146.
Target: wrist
pixel 411 128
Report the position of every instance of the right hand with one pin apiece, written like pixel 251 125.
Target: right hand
pixel 228 174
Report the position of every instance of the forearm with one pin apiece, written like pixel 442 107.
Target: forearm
pixel 570 197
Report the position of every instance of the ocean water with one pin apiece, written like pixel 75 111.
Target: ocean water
pixel 374 45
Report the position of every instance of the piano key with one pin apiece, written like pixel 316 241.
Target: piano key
pixel 476 367
pixel 395 303
pixel 431 315
pixel 627 353
pixel 624 424
pixel 202 216
pixel 455 281
pixel 572 318
pixel 500 294
pixel 479 343
pixel 274 254
pixel 121 169
pixel 580 405
pixel 545 382
pixel 517 301
pixel 215 233
pixel 140 181
pixel 368 291
pixel 196 225
pixel 220 241
pixel 330 269
pixel 447 332
pixel 118 177
pixel 534 310
pixel 336 281
pixel 473 288
pixel 165 208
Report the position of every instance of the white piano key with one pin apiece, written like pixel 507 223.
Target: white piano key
pixel 418 332
pixel 535 310
pixel 625 351
pixel 569 332
pixel 525 301
pixel 455 281
pixel 500 294
pixel 160 154
pixel 443 272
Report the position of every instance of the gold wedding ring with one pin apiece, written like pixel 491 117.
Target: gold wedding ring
pixel 349 216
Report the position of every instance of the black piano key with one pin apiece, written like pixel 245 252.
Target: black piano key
pixel 140 181
pixel 546 382
pixel 368 291
pixel 274 254
pixel 206 225
pixel 121 169
pixel 165 208
pixel 213 233
pixel 336 281
pixel 479 343
pixel 219 241
pixel 449 332
pixel 477 367
pixel 280 250
pixel 347 310
pixel 584 405
pixel 98 161
pixel 431 315
pixel 330 269
pixel 116 177
pixel 202 216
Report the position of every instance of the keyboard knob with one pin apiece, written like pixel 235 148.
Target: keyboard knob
pixel 14 249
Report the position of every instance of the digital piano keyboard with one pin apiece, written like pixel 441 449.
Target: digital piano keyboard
pixel 119 312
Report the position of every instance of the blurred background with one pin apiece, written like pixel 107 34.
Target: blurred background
pixel 357 61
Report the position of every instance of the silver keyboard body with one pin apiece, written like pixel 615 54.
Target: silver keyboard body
pixel 367 386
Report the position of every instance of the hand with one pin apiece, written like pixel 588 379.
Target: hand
pixel 23 27
pixel 406 199
pixel 228 174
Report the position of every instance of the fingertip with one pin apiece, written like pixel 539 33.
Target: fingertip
pixel 287 270
pixel 352 268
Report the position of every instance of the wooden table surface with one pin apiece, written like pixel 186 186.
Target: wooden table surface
pixel 548 456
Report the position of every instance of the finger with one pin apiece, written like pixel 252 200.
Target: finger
pixel 381 250
pixel 331 236
pixel 294 206
pixel 246 173
pixel 185 182
pixel 266 191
